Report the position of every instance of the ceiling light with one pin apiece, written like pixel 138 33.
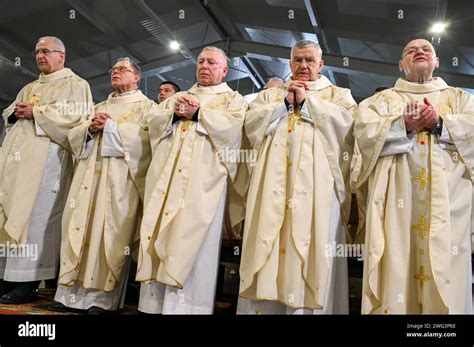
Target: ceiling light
pixel 174 44
pixel 438 27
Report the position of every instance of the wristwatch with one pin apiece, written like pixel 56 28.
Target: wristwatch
pixel 438 128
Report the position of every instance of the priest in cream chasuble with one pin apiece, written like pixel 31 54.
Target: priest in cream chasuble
pixel 36 168
pixel 299 198
pixel 417 146
pixel 185 191
pixel 104 205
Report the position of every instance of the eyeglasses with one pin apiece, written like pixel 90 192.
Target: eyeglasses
pixel 120 69
pixel 412 50
pixel 45 52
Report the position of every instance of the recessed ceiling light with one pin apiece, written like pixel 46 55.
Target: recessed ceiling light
pixel 438 27
pixel 174 44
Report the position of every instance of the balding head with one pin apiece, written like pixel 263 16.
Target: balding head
pixel 417 43
pixel 419 60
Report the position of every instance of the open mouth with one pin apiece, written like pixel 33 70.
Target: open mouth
pixel 420 59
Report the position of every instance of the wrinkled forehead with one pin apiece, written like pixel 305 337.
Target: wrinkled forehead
pixel 215 55
pixel 123 63
pixel 418 43
pixel 309 51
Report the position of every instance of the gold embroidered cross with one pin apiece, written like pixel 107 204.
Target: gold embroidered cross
pixel 422 227
pixel 325 118
pixel 467 138
pixel 293 118
pixel 422 178
pixel 446 107
pixel 422 276
pixel 33 99
pixel 125 117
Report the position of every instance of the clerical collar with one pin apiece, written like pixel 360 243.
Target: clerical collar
pixel 210 85
pixel 424 82
pixel 61 73
pixel 117 95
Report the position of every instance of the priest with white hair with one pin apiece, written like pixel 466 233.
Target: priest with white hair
pixel 299 197
pixel 36 168
pixel 104 206
pixel 185 193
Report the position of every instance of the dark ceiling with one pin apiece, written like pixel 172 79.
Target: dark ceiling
pixel 361 39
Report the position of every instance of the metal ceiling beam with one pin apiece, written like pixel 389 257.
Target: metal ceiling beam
pixel 27 60
pixel 333 62
pixel 101 23
pixel 227 30
pixel 168 32
pixel 311 9
pixel 337 63
pixel 161 65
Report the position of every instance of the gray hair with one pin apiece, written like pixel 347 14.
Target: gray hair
pixel 215 49
pixel 134 65
pixel 58 44
pixel 306 43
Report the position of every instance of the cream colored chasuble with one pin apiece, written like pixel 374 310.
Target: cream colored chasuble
pixel 419 205
pixel 298 202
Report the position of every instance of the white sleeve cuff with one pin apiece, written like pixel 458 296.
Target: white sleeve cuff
pixel 200 129
pixel 445 141
pixel 399 146
pixel 39 131
pixel 305 114
pixel 397 131
pixel 445 137
pixel 278 114
pixel 111 141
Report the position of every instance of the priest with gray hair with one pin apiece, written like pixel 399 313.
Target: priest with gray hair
pixel 36 168
pixel 299 197
pixel 186 189
pixel 101 219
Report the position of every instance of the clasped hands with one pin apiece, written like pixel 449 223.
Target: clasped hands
pixel 24 110
pixel 296 93
pixel 98 122
pixel 186 106
pixel 418 116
